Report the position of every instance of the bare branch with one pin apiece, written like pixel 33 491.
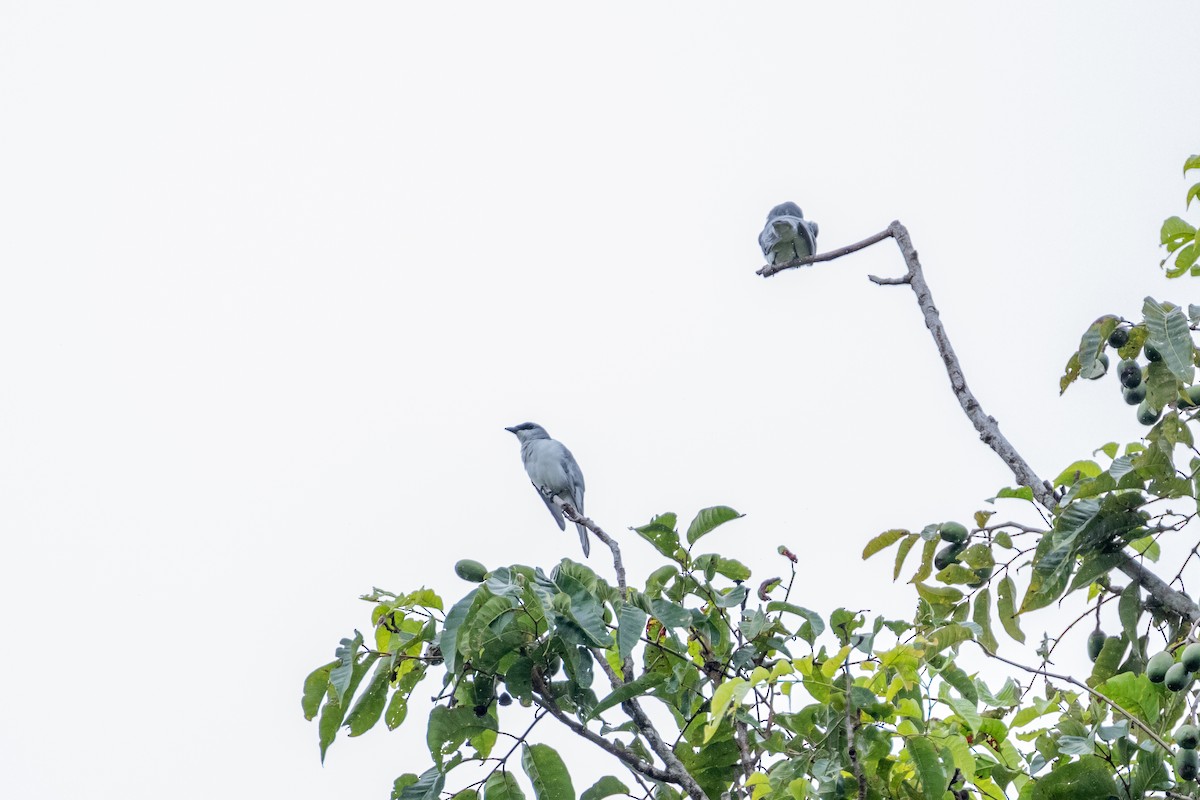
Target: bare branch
pixel 989 430
pixel 570 513
pixel 771 269
pixel 1068 679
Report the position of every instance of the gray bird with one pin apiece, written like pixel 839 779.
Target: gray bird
pixel 554 473
pixel 787 235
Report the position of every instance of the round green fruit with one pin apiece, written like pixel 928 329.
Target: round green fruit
pixel 1178 678
pixel 948 554
pixel 1135 395
pixel 1151 352
pixel 1191 657
pixel 1188 736
pixel 1103 359
pixel 1185 765
pixel 1095 643
pixel 1130 373
pixel 953 532
pixel 1148 414
pixel 471 570
pixel 1118 337
pixel 1157 666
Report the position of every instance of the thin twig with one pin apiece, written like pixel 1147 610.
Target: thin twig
pixel 1068 679
pixel 771 269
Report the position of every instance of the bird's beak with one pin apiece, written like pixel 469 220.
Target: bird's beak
pixel 511 430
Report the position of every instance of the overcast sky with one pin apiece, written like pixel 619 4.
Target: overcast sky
pixel 275 276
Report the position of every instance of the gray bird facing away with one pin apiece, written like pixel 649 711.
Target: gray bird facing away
pixel 554 473
pixel 787 235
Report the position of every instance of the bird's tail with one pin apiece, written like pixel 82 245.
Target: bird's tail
pixel 583 540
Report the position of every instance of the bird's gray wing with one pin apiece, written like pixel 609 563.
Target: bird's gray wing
pixel 555 511
pixel 575 475
pixel 808 234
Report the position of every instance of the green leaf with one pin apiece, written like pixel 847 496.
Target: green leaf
pixel 1016 493
pixel 982 616
pixel 670 614
pixel 1006 610
pixel 883 540
pixel 728 694
pixel 314 689
pixel 449 728
pixel 339 676
pixel 1080 469
pixel 926 568
pixel 547 772
pixel 367 710
pixel 1170 336
pixel 930 774
pixel 1175 229
pixel 454 620
pixel 902 553
pixel 642 685
pixel 605 787
pixel 1108 661
pixel 502 786
pixel 1086 779
pixel 813 625
pixel 661 533
pixel 1129 608
pixel 708 520
pixel 1185 257
pixel 427 787
pixel 397 710
pixel 1192 162
pixel 630 623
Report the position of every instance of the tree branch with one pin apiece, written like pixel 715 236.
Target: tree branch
pixel 674 773
pixel 570 513
pixel 771 269
pixel 851 728
pixel 1068 679
pixel 987 427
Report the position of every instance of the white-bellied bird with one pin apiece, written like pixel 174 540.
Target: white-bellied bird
pixel 554 473
pixel 787 235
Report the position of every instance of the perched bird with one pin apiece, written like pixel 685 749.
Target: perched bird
pixel 787 235
pixel 554 473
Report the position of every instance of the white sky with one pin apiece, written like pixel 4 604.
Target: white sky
pixel 275 276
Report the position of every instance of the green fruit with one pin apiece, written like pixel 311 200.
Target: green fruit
pixel 1151 352
pixel 1148 414
pixel 1178 678
pixel 948 554
pixel 1157 666
pixel 1118 337
pixel 470 570
pixel 1187 737
pixel 953 532
pixel 1191 657
pixel 1185 765
pixel 1130 373
pixel 1095 643
pixel 1135 395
